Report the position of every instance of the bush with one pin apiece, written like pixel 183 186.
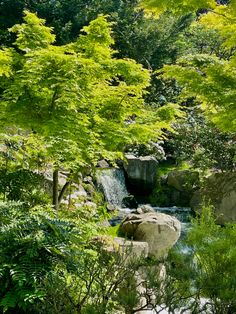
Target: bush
pixel 32 244
pixel 25 186
pixel 50 263
pixel 203 278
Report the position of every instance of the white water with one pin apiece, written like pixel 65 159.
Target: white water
pixel 112 182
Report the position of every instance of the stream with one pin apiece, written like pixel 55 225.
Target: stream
pixel 112 182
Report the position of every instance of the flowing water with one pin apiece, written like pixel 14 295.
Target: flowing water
pixel 112 183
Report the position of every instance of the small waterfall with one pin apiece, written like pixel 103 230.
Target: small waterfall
pixel 112 182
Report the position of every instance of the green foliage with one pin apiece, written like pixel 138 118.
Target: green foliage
pixel 32 34
pixel 113 231
pixel 131 28
pixel 223 19
pixel 22 150
pixel 67 106
pixel 178 7
pixel 206 269
pixel 208 78
pixel 134 28
pixel 26 255
pixel 212 82
pixel 25 186
pixel 215 257
pixel 6 60
pixel 81 95
pixel 200 142
pixel 204 40
pixel 51 262
pixel 34 243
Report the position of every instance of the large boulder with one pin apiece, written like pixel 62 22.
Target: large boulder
pixel 159 230
pixel 141 172
pixel 220 190
pixel 183 180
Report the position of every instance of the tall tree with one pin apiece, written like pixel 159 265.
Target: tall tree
pixel 82 101
pixel 209 78
pixel 150 41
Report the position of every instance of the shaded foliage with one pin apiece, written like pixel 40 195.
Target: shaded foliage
pixel 202 143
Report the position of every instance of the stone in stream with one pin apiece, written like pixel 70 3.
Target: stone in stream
pixel 143 209
pixel 159 230
pixel 129 202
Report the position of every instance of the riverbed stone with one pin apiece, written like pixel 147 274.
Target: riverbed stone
pixel 145 209
pixel 159 230
pixel 129 202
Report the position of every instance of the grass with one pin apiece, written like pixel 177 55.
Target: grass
pixel 113 231
pixel 165 168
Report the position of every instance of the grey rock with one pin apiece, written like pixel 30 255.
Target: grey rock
pixel 134 249
pixel 145 209
pixel 79 191
pixel 183 180
pixel 141 171
pixel 220 190
pixel 103 164
pixel 88 179
pixel 110 207
pixel 159 230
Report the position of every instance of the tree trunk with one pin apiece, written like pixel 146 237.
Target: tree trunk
pixel 55 189
pixel 63 190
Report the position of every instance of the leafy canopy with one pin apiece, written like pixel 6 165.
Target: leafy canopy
pixel 209 78
pixel 81 100
pixel 211 81
pixel 178 6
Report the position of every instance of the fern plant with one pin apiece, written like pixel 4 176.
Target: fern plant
pixel 32 243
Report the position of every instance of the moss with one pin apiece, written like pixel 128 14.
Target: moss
pixel 115 231
pixel 164 195
pixel 165 167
